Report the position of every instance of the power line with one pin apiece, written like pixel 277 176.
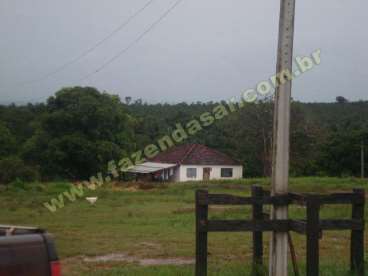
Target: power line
pixel 92 48
pixel 139 38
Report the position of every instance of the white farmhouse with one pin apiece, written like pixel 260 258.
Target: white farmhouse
pixel 189 162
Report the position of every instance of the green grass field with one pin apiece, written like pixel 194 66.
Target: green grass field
pixel 158 224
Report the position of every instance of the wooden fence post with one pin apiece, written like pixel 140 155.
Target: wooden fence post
pixel 257 193
pixel 201 236
pixel 357 236
pixel 313 233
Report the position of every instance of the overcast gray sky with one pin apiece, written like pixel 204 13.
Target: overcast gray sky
pixel 203 50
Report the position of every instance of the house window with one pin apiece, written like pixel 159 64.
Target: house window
pixel 226 172
pixel 191 172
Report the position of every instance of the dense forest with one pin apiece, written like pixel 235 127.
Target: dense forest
pixel 79 130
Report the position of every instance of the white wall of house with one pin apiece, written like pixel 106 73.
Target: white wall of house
pixel 181 172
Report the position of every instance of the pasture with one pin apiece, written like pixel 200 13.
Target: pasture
pixel 149 230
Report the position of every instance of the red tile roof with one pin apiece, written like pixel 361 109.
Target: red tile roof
pixel 194 154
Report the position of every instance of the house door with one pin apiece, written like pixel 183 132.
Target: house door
pixel 206 173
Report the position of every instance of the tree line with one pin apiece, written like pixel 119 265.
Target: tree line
pixel 79 130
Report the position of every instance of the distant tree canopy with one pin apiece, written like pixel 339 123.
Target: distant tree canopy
pixel 79 130
pixel 341 100
pixel 79 133
pixel 7 141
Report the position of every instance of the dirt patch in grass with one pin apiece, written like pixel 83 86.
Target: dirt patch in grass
pixel 173 261
pixel 122 257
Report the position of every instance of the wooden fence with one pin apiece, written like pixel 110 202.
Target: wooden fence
pixel 312 226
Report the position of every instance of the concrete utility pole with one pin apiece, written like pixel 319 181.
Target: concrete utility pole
pixel 362 161
pixel 281 141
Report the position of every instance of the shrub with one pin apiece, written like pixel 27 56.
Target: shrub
pixel 17 184
pixel 13 168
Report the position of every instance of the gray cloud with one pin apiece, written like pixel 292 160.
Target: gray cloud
pixel 204 50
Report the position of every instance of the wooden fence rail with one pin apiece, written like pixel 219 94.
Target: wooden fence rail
pixel 312 226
